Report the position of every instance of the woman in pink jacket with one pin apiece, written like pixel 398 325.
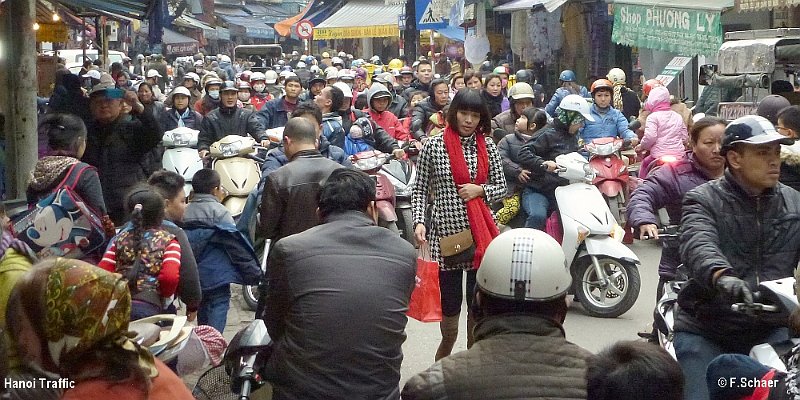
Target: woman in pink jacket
pixel 665 132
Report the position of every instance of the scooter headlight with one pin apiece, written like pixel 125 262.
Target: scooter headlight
pixel 617 233
pixel 180 139
pixel 230 149
pixel 583 233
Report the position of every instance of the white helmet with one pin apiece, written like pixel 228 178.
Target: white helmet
pixel 342 54
pixel 224 58
pixel 180 90
pixel 258 76
pixel 314 69
pixel 345 89
pixel 346 75
pixel 524 265
pixel 574 102
pixel 616 76
pixel 301 64
pixel 270 77
pixel 375 59
pixel 192 76
pixel 287 74
pixel 520 90
pixel 336 60
pixel 153 74
pixel 331 73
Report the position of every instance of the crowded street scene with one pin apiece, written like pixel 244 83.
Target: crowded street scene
pixel 399 199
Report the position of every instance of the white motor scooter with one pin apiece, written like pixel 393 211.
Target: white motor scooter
pixel 180 154
pixel 236 161
pixel 605 272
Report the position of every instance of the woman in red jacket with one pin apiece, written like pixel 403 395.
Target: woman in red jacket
pixel 379 98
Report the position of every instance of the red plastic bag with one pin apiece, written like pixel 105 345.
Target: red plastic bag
pixel 426 299
pixel 553 227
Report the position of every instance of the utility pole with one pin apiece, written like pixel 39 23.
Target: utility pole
pixel 411 35
pixel 18 101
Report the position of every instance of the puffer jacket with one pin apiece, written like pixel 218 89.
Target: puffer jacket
pixel 226 121
pixel 332 128
pixel 276 158
pixel 559 95
pixel 790 166
pixel 204 208
pixel 549 143
pixel 506 121
pixel 169 119
pixel 509 148
pixel 274 114
pixel 751 237
pixel 544 364
pixel 224 255
pixel 609 124
pixel 666 189
pixel 386 119
pixel 665 132
pixel 420 117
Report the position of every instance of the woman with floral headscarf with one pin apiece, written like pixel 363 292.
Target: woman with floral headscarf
pixel 73 321
pixel 539 154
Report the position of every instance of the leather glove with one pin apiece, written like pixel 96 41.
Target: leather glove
pixel 733 289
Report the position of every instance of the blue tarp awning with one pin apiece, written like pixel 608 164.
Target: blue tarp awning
pixel 252 27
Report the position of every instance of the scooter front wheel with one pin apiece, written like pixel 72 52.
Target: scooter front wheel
pixel 250 296
pixel 609 292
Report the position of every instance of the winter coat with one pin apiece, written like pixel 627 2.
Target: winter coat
pixel 68 98
pixel 420 117
pixel 289 201
pixel 16 259
pixel 398 106
pixel 274 114
pixel 223 254
pixel 118 152
pixel 448 215
pixel 386 119
pixel 229 121
pixel 495 103
pixel 165 386
pixel 332 127
pixel 276 158
pixel 665 132
pixel 549 143
pixel 51 170
pixel 349 116
pixel 545 365
pixel 559 95
pixel 751 237
pixel 509 148
pixel 205 105
pixel 205 209
pixel 346 276
pixel 169 119
pixel 506 121
pixel 790 166
pixel 609 124
pixel 666 189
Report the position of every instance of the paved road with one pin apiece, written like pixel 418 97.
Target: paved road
pixel 588 332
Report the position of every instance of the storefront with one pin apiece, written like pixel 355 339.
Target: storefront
pixel 373 22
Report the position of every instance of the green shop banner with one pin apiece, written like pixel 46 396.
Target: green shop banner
pixel 678 30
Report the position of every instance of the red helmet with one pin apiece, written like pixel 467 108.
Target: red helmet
pixel 601 84
pixel 649 85
pixel 245 76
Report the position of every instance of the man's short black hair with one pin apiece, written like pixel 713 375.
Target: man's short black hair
pixel 205 180
pixel 292 79
pixel 790 117
pixel 168 183
pixel 308 107
pixel 631 370
pixel 346 189
pixel 337 98
pixel 424 62
pixel 300 130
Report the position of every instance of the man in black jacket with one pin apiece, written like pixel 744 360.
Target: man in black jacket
pixel 738 231
pixel 229 119
pixel 337 299
pixel 289 201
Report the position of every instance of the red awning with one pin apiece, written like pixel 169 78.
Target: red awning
pixel 284 28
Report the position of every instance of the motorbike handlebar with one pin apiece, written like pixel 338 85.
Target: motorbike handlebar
pixel 667 232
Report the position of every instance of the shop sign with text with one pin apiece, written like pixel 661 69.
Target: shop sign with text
pixel 355 32
pixel 677 30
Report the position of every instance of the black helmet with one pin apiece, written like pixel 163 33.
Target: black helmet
pixel 525 75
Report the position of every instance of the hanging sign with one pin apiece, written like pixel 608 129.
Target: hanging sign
pixel 304 29
pixel 356 32
pixel 677 30
pixel 764 5
pixel 55 33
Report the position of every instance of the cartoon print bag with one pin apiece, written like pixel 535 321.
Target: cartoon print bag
pixel 61 224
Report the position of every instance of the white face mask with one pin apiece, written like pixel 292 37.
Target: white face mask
pixel 214 94
pixel 259 88
pixel 244 96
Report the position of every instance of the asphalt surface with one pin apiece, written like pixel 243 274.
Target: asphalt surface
pixel 588 332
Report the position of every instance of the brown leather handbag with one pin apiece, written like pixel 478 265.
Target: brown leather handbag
pixel 457 248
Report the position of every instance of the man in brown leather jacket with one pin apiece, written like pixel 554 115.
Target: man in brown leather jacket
pixel 520 351
pixel 289 202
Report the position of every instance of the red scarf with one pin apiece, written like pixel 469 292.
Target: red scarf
pixel 480 217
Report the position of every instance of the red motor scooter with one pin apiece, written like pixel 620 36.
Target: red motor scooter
pixel 612 177
pixel 371 162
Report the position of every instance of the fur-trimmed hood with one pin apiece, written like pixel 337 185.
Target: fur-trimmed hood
pixel 790 155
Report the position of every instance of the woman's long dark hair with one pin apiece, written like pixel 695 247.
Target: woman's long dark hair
pixel 535 116
pixel 146 207
pixel 65 133
pixel 469 100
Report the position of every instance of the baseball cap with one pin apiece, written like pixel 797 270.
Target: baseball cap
pixel 752 129
pixel 107 90
pixel 153 73
pixel 229 86
pixel 93 73
pixel 345 89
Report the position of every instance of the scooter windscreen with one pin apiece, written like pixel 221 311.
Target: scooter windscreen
pixel 253 339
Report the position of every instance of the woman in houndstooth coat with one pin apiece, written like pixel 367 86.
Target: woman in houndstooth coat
pixel 467 119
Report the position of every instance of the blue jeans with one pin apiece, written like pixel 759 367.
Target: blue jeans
pixel 695 352
pixel 535 205
pixel 214 307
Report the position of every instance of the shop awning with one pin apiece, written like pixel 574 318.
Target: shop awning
pixel 764 5
pixel 252 27
pixel 174 42
pixel 361 19
pixel 520 5
pixel 130 8
pixel 684 27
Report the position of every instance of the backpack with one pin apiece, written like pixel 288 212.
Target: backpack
pixel 61 224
